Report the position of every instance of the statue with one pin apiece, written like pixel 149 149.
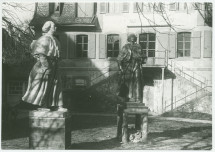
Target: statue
pixel 130 59
pixel 44 85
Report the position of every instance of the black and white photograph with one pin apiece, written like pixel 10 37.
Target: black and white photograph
pixel 106 75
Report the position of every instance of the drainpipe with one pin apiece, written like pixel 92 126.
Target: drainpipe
pixel 162 90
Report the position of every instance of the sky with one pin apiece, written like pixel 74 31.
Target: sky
pixel 18 13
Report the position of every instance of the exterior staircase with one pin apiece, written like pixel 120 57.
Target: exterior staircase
pixel 204 88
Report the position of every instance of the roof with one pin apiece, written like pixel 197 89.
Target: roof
pixel 65 17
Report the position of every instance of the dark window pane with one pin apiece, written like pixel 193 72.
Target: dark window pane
pixel 85 46
pixel 143 45
pixel 116 53
pixel 180 37
pixel 79 47
pixel 84 54
pixel 79 39
pixel 78 53
pixel 109 47
pixel 85 39
pixel 180 53
pixel 187 45
pixel 144 52
pixel 109 54
pixel 116 46
pixel 180 45
pixel 151 45
pixel 143 37
pixel 151 37
pixel 151 53
pixel 187 36
pixel 110 39
pixel 187 52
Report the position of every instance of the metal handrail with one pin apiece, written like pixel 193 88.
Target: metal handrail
pixel 182 71
pixel 183 67
pixel 190 95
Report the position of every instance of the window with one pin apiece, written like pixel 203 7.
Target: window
pixel 17 87
pixel 82 46
pixel 147 42
pixel 159 7
pixel 80 82
pixel 138 7
pixel 104 7
pixel 125 7
pixel 57 7
pixel 185 6
pixel 112 45
pixel 114 7
pixel 183 44
pixel 85 9
pixel 173 6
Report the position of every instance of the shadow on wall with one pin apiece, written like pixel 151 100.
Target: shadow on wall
pixel 100 97
pixel 151 74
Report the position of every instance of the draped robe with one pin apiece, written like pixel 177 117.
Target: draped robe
pixel 44 85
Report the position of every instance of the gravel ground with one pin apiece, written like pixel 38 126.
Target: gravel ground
pixel 98 132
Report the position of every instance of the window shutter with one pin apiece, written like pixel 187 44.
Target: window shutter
pixel 81 10
pixel 162 43
pixel 116 7
pixel 207 44
pixel 172 43
pixel 112 7
pixel 63 44
pixel 71 45
pixel 89 9
pixel 196 44
pixel 103 7
pixel 102 48
pixel 51 8
pixel 125 7
pixel 92 46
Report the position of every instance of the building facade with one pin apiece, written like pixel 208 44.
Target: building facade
pixel 174 36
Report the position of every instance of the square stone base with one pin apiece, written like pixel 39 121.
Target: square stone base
pixel 49 130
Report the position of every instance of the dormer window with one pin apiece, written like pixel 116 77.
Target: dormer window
pixel 55 8
pixel 173 6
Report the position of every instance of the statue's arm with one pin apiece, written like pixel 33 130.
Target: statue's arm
pixel 120 58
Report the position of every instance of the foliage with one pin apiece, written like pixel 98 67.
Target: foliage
pixel 16 35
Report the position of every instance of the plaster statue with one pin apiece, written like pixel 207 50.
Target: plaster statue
pixel 44 85
pixel 130 61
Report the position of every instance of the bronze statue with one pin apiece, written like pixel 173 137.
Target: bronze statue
pixel 44 86
pixel 130 60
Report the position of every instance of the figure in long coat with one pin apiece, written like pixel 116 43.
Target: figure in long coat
pixel 44 86
pixel 129 61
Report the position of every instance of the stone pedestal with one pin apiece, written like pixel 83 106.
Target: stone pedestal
pixel 141 123
pixel 49 130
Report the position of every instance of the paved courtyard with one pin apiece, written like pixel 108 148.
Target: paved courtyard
pixel 98 131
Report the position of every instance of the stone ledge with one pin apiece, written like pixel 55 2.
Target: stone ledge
pixel 49 114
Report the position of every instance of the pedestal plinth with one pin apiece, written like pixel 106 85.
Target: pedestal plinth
pixel 141 122
pixel 49 130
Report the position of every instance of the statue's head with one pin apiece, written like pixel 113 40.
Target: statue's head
pixel 49 27
pixel 132 38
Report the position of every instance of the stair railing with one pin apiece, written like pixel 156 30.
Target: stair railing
pixel 195 95
pixel 181 70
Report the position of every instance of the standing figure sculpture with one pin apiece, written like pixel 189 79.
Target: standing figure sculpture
pixel 130 61
pixel 44 86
